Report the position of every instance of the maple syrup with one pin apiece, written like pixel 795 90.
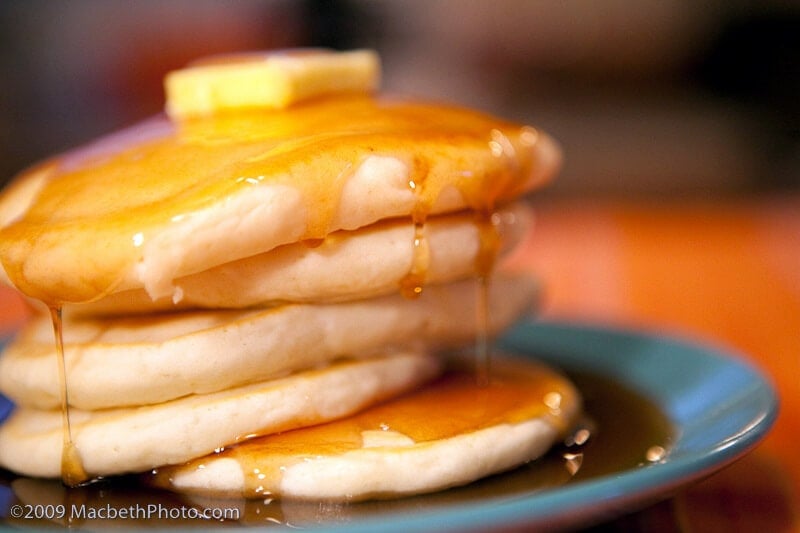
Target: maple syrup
pixel 448 152
pixel 485 259
pixel 451 406
pixel 218 157
pixel 72 471
pixel 624 425
pixel 412 284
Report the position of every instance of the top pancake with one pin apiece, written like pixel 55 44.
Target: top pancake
pixel 163 200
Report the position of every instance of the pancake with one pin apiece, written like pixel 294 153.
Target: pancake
pixel 149 359
pixel 239 286
pixel 346 265
pixel 105 219
pixel 399 447
pixel 117 441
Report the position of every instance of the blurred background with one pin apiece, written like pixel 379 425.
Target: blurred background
pixel 648 97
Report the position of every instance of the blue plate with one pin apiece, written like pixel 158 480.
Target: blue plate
pixel 719 406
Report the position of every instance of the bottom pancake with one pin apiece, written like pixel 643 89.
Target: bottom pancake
pixel 449 433
pixel 116 441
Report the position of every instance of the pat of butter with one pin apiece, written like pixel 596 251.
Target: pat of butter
pixel 268 80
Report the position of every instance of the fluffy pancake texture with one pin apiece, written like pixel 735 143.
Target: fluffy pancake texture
pixel 346 265
pixel 240 289
pixel 150 359
pixel 116 441
pixel 108 219
pixel 400 447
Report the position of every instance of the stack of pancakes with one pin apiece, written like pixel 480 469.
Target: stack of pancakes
pixel 231 278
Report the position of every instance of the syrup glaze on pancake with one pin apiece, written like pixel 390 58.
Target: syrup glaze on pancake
pixel 96 219
pixel 453 406
pixel 92 219
pixel 622 443
pixel 346 265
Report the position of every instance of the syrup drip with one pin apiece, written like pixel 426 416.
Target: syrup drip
pixel 489 248
pixel 412 283
pixel 575 444
pixel 72 471
pixel 483 370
